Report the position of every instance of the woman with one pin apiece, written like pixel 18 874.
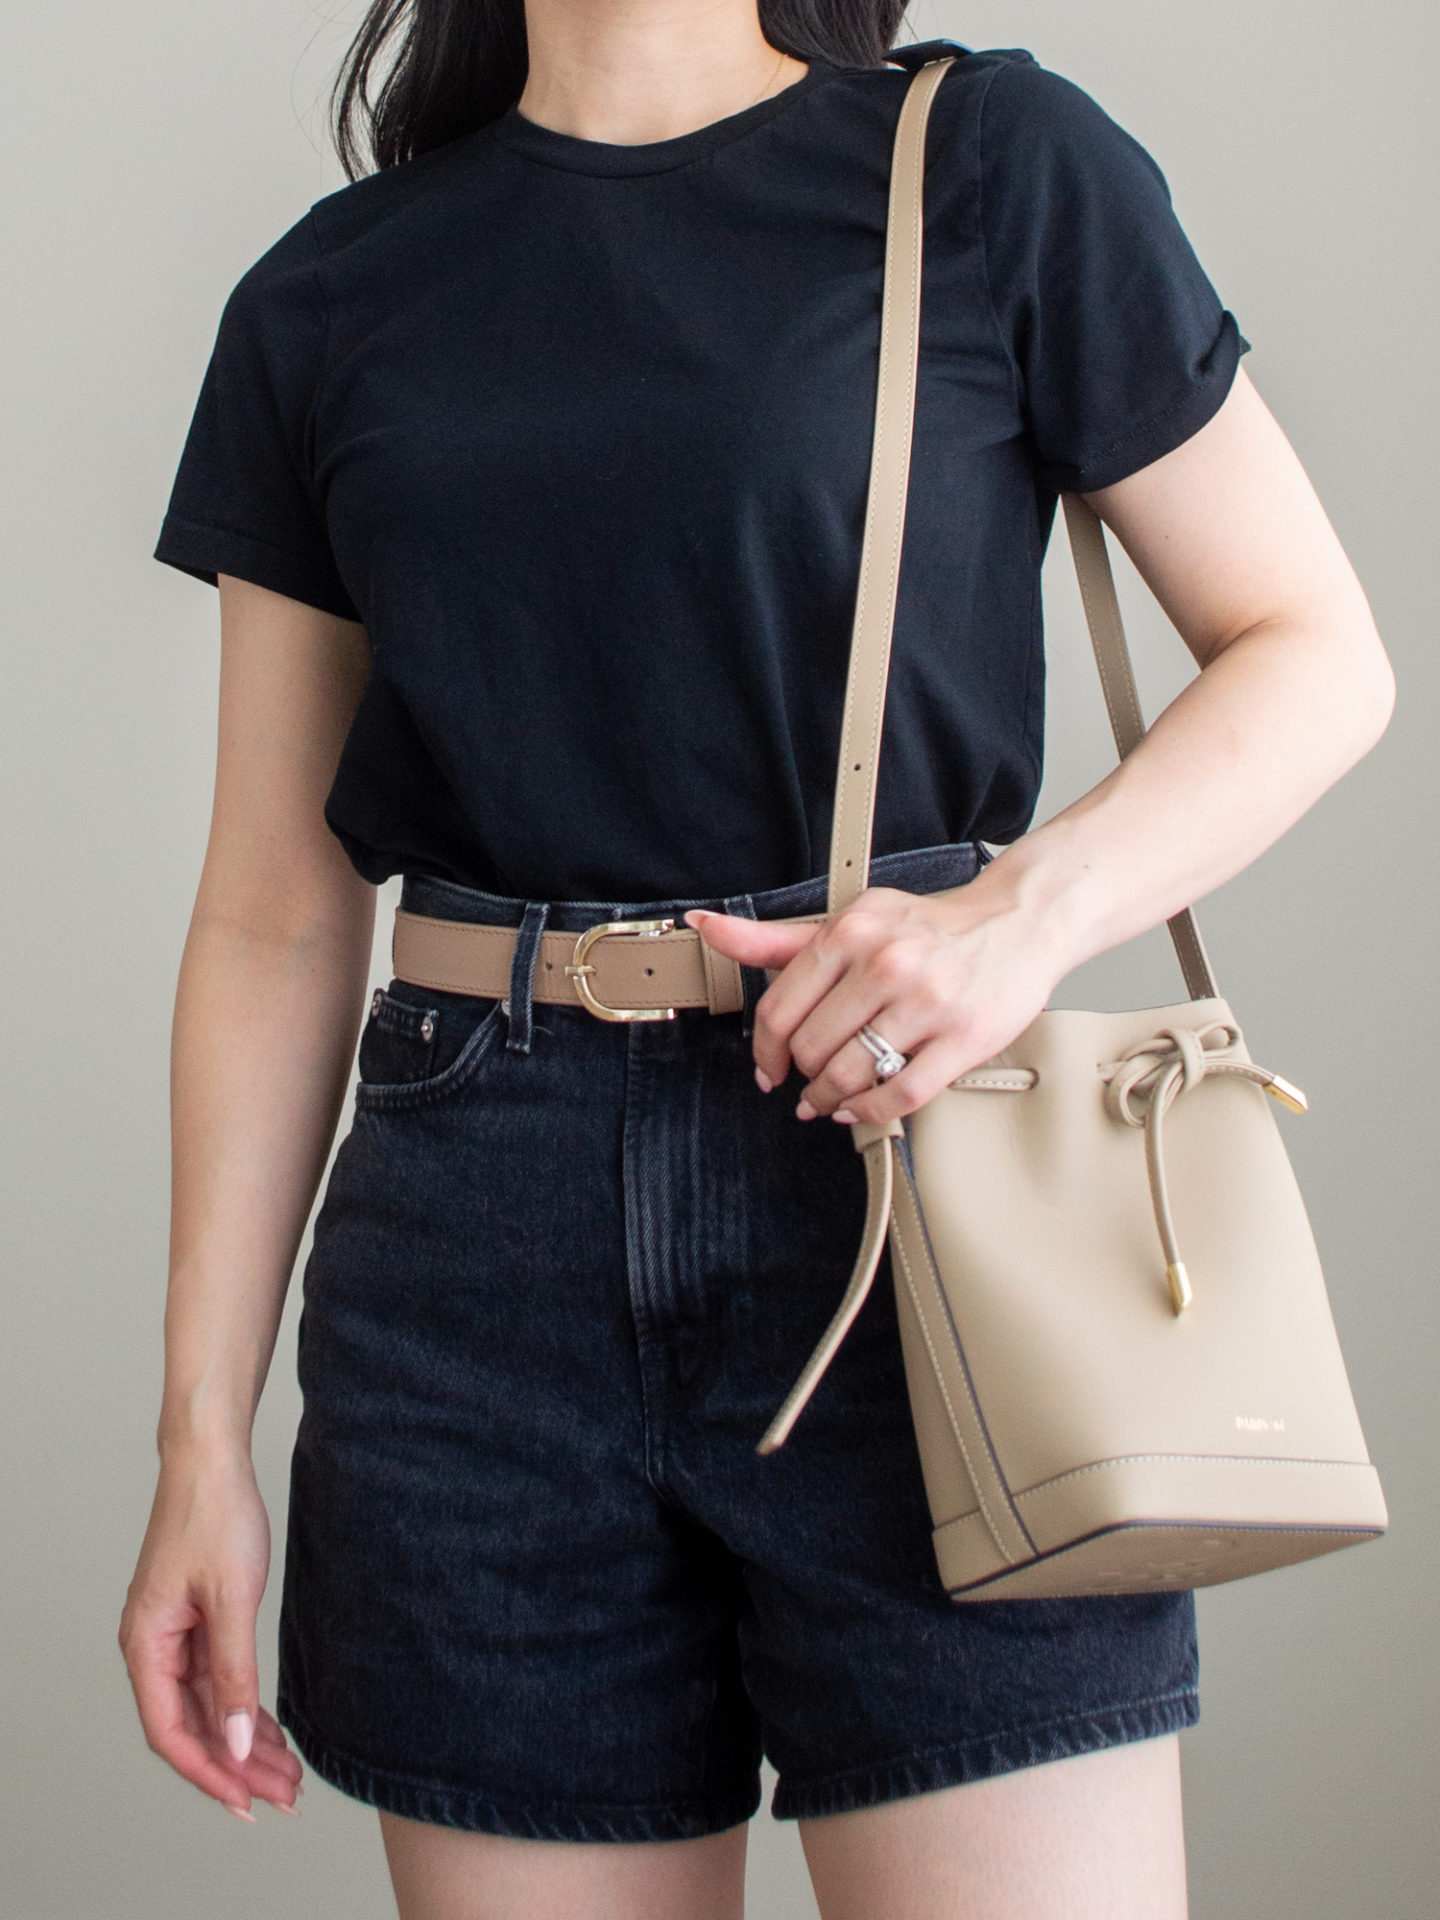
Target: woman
pixel 531 470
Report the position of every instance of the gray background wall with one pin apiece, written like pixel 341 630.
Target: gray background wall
pixel 155 149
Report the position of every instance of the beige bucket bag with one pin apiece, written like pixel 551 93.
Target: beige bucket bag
pixel 1121 1359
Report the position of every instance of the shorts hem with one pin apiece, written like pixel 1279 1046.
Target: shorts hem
pixel 476 1810
pixel 981 1759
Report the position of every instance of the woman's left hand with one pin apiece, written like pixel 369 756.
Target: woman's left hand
pixel 1294 688
pixel 947 978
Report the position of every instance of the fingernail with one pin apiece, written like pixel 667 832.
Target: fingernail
pixel 844 1114
pixel 240 1813
pixel 280 1807
pixel 695 916
pixel 239 1734
pixel 804 1111
pixel 763 1081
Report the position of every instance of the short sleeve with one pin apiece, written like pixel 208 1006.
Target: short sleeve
pixel 244 500
pixel 1121 347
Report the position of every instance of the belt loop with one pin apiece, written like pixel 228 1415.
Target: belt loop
pixel 752 979
pixel 522 972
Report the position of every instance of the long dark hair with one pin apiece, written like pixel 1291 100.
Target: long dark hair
pixel 455 65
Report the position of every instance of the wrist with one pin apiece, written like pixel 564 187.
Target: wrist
pixel 1048 879
pixel 209 1459
pixel 194 1432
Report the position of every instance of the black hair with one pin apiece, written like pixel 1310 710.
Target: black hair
pixel 455 65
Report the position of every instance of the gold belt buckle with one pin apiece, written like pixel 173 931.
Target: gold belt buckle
pixel 579 968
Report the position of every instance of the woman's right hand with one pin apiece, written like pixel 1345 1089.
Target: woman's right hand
pixel 188 1636
pixel 269 1003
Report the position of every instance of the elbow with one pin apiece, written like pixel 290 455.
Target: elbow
pixel 1374 691
pixel 1385 704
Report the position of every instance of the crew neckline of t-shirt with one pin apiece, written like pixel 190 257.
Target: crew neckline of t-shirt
pixel 569 151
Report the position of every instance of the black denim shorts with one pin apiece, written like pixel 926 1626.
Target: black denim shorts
pixel 537 1580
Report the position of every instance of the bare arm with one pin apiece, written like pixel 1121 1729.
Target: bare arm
pixel 268 1006
pixel 268 1009
pixel 1294 688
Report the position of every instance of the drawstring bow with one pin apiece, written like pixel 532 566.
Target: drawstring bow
pixel 1149 1077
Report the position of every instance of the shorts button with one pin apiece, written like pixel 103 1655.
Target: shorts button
pixel 377 1001
pixel 427 1027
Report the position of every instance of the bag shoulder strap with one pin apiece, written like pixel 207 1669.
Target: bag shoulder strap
pixel 869 667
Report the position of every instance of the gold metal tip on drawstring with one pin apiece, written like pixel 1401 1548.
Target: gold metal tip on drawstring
pixel 1181 1293
pixel 1287 1094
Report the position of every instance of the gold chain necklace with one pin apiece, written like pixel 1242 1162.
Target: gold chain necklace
pixel 766 88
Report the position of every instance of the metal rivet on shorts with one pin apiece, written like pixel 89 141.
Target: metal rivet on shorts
pixel 427 1027
pixel 505 1008
pixel 377 1002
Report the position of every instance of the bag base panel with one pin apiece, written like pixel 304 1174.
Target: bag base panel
pixel 1159 1557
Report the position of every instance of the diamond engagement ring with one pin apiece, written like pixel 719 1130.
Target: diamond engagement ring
pixel 887 1060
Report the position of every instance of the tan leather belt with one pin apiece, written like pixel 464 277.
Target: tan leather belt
pixel 617 969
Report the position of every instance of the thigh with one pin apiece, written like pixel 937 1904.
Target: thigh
pixel 1095 1837
pixel 441 1873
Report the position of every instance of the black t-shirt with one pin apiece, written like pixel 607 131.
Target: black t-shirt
pixel 581 432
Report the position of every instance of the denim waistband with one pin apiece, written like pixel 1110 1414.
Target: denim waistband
pixel 914 869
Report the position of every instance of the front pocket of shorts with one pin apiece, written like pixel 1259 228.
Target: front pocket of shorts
pixel 419 1046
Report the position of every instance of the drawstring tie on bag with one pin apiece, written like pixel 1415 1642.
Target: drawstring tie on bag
pixel 1157 1071
pixel 1140 1087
